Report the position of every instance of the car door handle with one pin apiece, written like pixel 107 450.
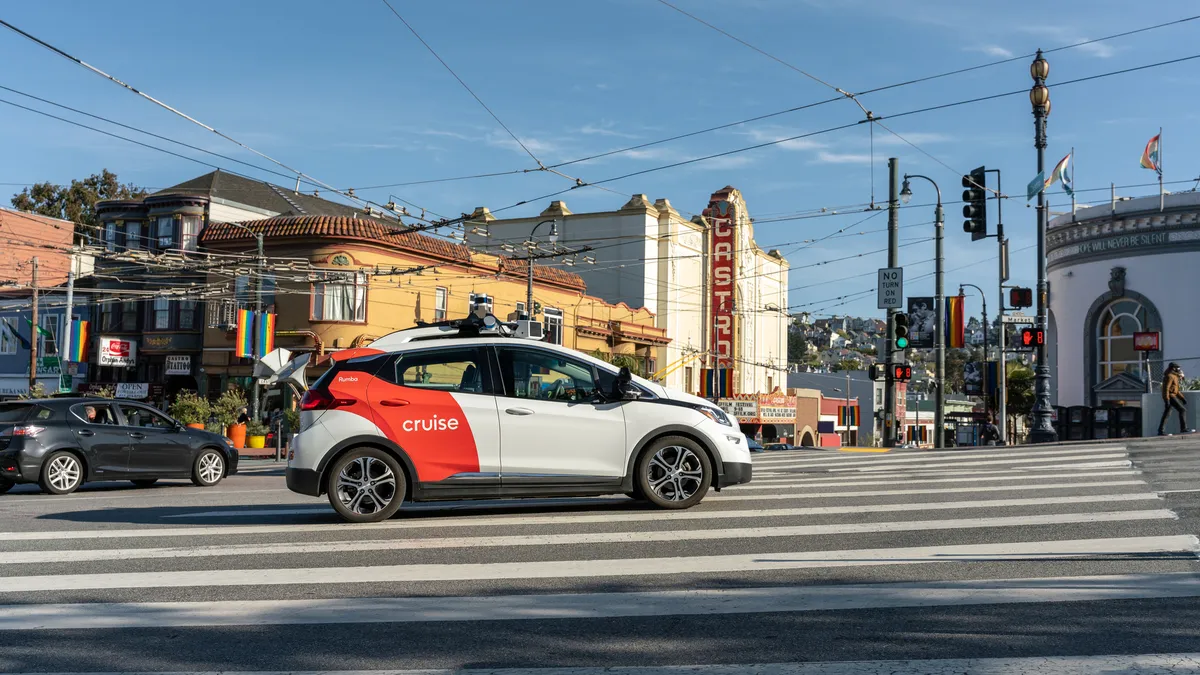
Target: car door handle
pixel 393 402
pixel 136 434
pixel 519 411
pixel 86 432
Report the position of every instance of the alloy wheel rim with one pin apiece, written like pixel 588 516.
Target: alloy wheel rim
pixel 210 467
pixel 366 485
pixel 64 473
pixel 675 473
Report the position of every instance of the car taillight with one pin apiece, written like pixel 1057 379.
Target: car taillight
pixel 321 399
pixel 26 430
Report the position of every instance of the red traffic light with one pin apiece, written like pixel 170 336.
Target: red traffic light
pixel 1032 337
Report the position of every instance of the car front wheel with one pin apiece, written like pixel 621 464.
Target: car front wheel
pixel 366 486
pixel 208 469
pixel 61 473
pixel 674 473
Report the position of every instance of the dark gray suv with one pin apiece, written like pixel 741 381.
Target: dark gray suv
pixel 62 443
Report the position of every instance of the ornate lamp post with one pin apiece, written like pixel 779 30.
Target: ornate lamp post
pixel 1039 96
pixel 939 310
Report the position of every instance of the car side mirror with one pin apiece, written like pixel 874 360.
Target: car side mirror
pixel 626 391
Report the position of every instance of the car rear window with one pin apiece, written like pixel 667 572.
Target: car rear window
pixel 14 413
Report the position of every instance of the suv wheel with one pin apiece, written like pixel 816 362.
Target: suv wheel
pixel 674 473
pixel 62 472
pixel 366 486
pixel 208 469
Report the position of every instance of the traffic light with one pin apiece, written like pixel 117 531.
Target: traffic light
pixel 974 198
pixel 1020 297
pixel 1032 337
pixel 901 372
pixel 900 330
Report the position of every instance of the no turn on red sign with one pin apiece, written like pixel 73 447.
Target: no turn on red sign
pixel 891 287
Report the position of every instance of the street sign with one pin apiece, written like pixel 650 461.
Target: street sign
pixel 1019 319
pixel 1145 341
pixel 891 287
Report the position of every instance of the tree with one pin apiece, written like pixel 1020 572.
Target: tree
pixel 847 364
pixel 76 202
pixel 797 347
pixel 1019 392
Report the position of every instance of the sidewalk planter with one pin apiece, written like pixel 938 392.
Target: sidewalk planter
pixel 237 435
pixel 256 442
pixel 256 434
pixel 196 425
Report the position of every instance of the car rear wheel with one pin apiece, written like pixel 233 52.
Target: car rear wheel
pixel 674 473
pixel 62 472
pixel 208 469
pixel 366 486
pixel 144 482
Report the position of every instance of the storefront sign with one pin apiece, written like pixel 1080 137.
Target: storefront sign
pixel 19 385
pixel 744 411
pixel 761 408
pixel 133 389
pixel 1146 342
pixel 721 214
pixel 118 352
pixel 1121 243
pixel 179 365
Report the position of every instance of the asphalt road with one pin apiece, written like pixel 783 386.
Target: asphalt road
pixel 1078 558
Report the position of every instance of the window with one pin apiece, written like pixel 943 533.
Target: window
pixel 189 232
pixel 8 336
pixel 162 314
pixel 137 416
pixel 129 316
pixel 110 236
pixel 95 413
pixel 166 232
pixel 687 379
pixel 554 325
pixel 187 314
pixel 546 376
pixel 1118 322
pixel 520 307
pixel 340 298
pixel 439 304
pixel 133 235
pixel 459 370
pixel 48 344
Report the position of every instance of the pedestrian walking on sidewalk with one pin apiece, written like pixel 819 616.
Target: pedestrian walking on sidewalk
pixel 1172 394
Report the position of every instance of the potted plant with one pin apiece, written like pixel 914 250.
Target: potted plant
pixel 256 434
pixel 292 421
pixel 226 409
pixel 191 409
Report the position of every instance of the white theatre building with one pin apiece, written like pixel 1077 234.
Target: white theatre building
pixel 1116 270
pixel 711 287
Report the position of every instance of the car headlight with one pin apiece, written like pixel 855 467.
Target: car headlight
pixel 715 414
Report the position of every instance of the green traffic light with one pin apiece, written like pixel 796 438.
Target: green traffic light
pixel 901 343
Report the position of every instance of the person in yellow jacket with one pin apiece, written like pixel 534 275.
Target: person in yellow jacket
pixel 1172 393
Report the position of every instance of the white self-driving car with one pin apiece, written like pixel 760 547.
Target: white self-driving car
pixel 467 410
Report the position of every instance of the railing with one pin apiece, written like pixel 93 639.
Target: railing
pixel 222 313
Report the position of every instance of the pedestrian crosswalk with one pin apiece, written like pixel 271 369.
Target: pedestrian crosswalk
pixel 817 536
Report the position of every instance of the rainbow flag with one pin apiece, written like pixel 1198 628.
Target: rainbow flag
pixel 1150 155
pixel 243 347
pixel 264 334
pixel 954 321
pixel 716 383
pixel 1059 174
pixel 79 341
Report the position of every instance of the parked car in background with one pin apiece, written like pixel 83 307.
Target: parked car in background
pixel 771 447
pixel 62 443
pixel 754 445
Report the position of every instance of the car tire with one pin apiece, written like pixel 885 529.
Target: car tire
pixel 209 468
pixel 5 485
pixel 366 485
pixel 144 482
pixel 62 473
pixel 674 473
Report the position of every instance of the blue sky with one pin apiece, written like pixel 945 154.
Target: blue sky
pixel 345 93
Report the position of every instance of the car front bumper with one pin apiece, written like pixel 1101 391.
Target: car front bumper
pixel 734 473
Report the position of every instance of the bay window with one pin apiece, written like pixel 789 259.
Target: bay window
pixel 162 314
pixel 341 296
pixel 133 235
pixel 189 232
pixel 129 316
pixel 110 236
pixel 166 232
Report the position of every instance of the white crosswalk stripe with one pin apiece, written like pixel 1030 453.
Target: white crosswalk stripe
pixel 814 532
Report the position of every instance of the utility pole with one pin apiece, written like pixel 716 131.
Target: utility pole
pixel 33 329
pixel 256 414
pixel 889 390
pixel 64 332
pixel 1002 366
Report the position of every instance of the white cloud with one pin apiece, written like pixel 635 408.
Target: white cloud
pixel 914 137
pixel 775 134
pixel 536 146
pixel 994 50
pixel 1067 36
pixel 824 157
pixel 604 129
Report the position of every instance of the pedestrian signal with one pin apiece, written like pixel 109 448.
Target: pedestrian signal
pixel 1020 297
pixel 901 373
pixel 1032 337
pixel 900 330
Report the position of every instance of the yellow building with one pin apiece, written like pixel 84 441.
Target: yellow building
pixel 340 281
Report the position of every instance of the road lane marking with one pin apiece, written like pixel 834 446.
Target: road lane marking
pixel 600 568
pixel 635 537
pixel 734 495
pixel 1022 461
pixel 947 456
pixel 842 481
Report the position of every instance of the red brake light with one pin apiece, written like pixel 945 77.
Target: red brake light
pixel 27 430
pixel 321 399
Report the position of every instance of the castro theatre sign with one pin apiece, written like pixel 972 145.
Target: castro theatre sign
pixel 760 408
pixel 722 213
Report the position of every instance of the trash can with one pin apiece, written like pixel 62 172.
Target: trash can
pixel 1078 424
pixel 1059 421
pixel 1100 426
pixel 1125 422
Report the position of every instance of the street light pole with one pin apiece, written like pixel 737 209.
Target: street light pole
pixel 982 297
pixel 1039 96
pixel 529 249
pixel 939 333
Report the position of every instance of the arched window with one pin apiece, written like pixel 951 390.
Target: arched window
pixel 1116 325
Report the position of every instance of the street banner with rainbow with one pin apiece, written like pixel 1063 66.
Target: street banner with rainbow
pixel 954 322
pixel 264 334
pixel 243 346
pixel 1150 156
pixel 79 341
